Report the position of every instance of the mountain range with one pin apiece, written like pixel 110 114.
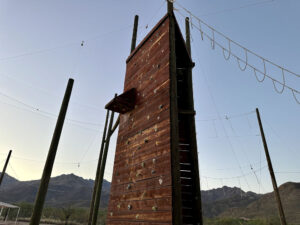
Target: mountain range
pixel 64 190
pixel 71 190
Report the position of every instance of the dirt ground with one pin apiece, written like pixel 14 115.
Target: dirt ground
pixel 18 223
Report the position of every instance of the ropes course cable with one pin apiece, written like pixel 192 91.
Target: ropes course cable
pixel 35 87
pixel 236 8
pixel 245 153
pixel 225 117
pixel 34 109
pixel 235 177
pixel 214 42
pixel 75 43
pixel 58 162
pixel 224 129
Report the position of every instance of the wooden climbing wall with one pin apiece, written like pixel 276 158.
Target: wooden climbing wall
pixel 156 174
pixel 141 189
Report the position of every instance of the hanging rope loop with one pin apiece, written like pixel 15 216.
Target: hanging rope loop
pixel 283 83
pixel 200 29
pixel 229 50
pixel 295 97
pixel 262 80
pixel 213 39
pixel 246 61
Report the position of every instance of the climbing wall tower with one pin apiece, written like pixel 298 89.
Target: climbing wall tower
pixel 155 177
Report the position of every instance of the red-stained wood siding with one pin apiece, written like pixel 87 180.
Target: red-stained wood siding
pixel 141 190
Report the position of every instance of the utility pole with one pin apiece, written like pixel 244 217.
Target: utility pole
pixel 102 169
pixel 5 166
pixel 40 198
pixel 192 127
pixel 276 192
pixel 98 170
pixel 134 34
pixel 93 215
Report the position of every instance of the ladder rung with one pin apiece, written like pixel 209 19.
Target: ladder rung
pixel 187 112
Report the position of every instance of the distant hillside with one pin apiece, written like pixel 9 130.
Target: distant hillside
pixel 71 190
pixel 8 180
pixel 266 205
pixel 216 201
pixel 63 190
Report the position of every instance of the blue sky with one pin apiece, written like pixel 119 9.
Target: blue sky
pixel 40 48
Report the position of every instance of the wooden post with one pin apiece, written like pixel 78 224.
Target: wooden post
pixel 98 170
pixel 134 35
pixel 170 7
pixel 99 178
pixel 5 166
pixel 276 192
pixel 175 164
pixel 192 127
pixel 41 195
pixel 102 169
pixel 188 35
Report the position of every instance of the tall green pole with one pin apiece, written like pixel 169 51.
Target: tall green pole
pixel 5 166
pixel 192 127
pixel 134 35
pixel 273 178
pixel 41 195
pixel 98 170
pixel 102 169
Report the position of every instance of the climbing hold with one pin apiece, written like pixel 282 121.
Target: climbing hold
pixel 160 181
pixel 154 208
pixel 143 195
pixel 143 164
pixel 128 186
pixel 160 106
pixel 154 160
pixel 129 207
pixel 153 171
pixel 146 140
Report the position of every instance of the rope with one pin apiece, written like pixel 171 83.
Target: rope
pixel 262 80
pixel 247 51
pixel 42 112
pixel 223 35
pixel 229 51
pixel 293 91
pixel 226 117
pixel 213 40
pixel 234 177
pixel 238 61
